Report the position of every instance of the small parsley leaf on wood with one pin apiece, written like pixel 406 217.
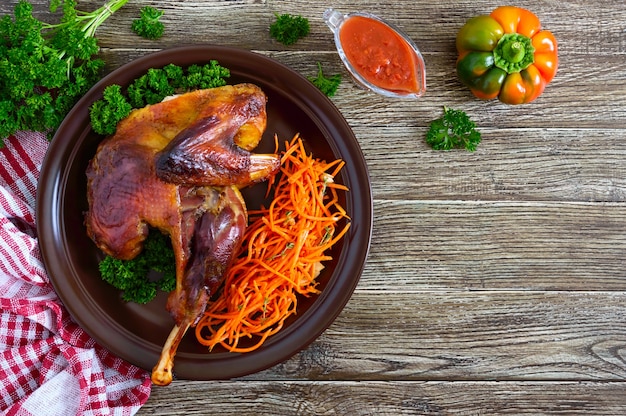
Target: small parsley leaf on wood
pixel 148 24
pixel 288 29
pixel 453 130
pixel 328 85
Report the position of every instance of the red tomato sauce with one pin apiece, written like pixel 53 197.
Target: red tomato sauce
pixel 379 54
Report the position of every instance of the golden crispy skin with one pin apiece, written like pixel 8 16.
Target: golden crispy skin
pixel 202 139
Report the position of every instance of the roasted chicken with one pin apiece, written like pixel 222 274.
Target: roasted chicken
pixel 177 166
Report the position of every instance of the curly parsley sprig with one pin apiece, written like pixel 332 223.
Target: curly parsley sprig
pixel 453 130
pixel 327 84
pixel 46 67
pixel 151 88
pixel 133 277
pixel 288 28
pixel 148 25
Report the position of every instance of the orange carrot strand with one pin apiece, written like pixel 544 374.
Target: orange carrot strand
pixel 282 255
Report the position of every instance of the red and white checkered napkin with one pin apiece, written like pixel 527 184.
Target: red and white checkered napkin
pixel 48 364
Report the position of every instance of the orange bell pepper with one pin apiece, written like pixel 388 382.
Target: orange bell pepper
pixel 506 55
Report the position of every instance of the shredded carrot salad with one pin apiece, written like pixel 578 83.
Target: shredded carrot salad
pixel 282 253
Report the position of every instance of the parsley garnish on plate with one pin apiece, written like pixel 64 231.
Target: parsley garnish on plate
pixel 151 88
pixel 133 278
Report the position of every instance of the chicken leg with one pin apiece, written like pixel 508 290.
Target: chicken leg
pixel 217 240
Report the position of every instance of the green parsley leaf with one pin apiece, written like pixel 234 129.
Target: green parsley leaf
pixel 133 277
pixel 148 25
pixel 453 130
pixel 110 110
pixel 288 29
pixel 152 88
pixel 328 85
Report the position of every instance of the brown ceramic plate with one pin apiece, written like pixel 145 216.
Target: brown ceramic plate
pixel 136 333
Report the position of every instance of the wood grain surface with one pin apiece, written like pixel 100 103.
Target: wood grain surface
pixel 496 281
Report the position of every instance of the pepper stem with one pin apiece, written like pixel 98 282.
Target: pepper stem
pixel 514 53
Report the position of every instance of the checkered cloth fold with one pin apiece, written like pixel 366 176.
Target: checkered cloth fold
pixel 48 364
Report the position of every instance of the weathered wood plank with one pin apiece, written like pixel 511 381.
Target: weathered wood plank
pixel 432 25
pixel 510 164
pixel 438 245
pixel 386 398
pixel 396 334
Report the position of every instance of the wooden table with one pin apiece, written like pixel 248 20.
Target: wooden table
pixel 496 280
